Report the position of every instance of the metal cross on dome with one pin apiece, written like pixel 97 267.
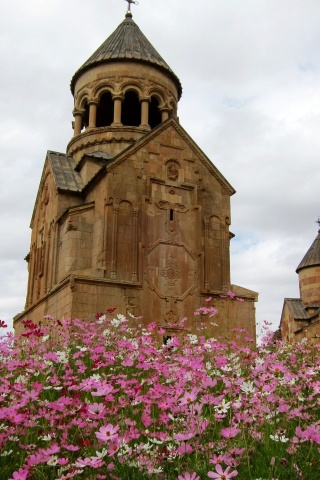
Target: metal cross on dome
pixel 129 4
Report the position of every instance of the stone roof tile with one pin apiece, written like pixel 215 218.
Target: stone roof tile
pixel 297 309
pixel 63 167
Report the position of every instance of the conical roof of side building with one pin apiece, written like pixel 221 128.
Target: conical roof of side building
pixel 127 43
pixel 312 257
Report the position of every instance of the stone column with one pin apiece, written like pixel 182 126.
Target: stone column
pixel 165 111
pixel 224 256
pixel 134 276
pixel 113 273
pixel 93 105
pixel 206 234
pixel 77 122
pixel 117 100
pixel 144 112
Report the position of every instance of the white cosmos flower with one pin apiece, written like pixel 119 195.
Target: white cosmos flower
pixel 279 438
pixel 102 454
pixel 248 387
pixel 53 460
pixel 6 453
pixel 223 407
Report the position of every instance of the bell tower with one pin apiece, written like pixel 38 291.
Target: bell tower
pixel 121 92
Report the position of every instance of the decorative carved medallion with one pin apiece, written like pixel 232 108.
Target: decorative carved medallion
pixel 172 171
pixel 171 273
pixel 171 269
pixel 170 317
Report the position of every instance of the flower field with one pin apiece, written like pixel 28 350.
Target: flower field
pixel 108 400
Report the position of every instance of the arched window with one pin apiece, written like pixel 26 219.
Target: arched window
pixel 131 109
pixel 105 110
pixel 154 113
pixel 85 116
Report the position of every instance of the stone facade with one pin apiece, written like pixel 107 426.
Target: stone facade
pixel 301 316
pixel 134 215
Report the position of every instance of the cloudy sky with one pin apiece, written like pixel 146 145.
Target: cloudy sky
pixel 250 71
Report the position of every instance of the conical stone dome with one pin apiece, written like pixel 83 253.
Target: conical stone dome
pixel 312 257
pixel 127 42
pixel 309 274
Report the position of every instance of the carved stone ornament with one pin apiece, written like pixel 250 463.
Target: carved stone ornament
pixel 170 317
pixel 172 171
pixel 71 226
pixel 171 273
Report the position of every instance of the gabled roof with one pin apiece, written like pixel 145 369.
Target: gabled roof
pixel 312 257
pixel 149 136
pixel 101 158
pixel 127 42
pixel 64 174
pixel 297 308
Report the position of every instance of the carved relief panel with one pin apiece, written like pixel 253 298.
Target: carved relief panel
pixel 171 270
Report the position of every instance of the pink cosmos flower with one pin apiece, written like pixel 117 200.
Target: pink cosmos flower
pixel 229 432
pixel 102 389
pixel 184 449
pixel 107 433
pixel 188 397
pixel 188 476
pixel 113 448
pixel 21 474
pixel 71 448
pixel 183 436
pixel 92 462
pixel 96 408
pixel 222 475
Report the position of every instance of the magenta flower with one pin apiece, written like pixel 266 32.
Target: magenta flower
pixel 183 436
pixel 222 475
pixel 229 432
pixel 96 408
pixel 188 476
pixel 92 462
pixel 21 474
pixel 107 433
pixel 103 389
pixel 188 397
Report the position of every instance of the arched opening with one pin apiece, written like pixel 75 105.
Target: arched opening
pixel 105 110
pixel 85 116
pixel 154 113
pixel 131 109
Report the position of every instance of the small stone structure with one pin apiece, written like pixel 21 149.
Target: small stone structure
pixel 301 316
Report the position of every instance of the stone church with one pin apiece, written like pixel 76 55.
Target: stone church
pixel 301 316
pixel 134 215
